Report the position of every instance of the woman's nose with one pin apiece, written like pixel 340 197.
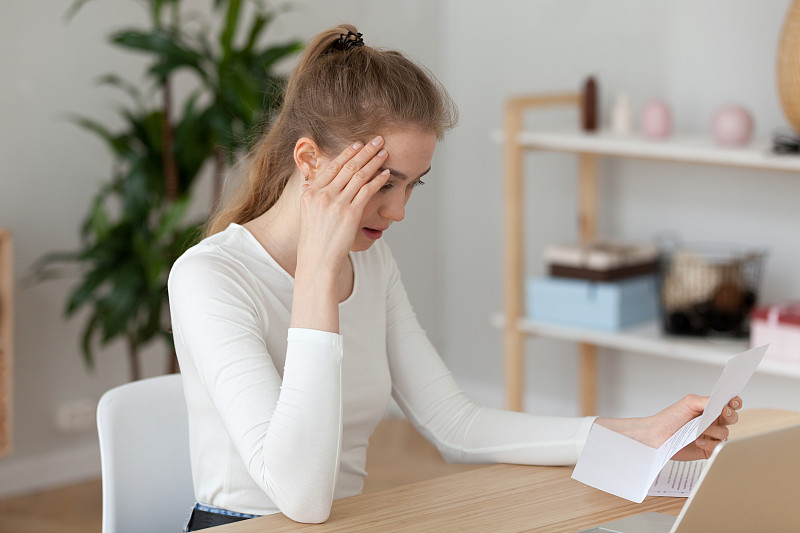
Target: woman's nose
pixel 394 208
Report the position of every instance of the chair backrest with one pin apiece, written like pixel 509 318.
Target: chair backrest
pixel 144 452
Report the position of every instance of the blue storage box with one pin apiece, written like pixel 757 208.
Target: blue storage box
pixel 604 305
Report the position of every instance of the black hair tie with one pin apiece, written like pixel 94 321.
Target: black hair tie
pixel 348 41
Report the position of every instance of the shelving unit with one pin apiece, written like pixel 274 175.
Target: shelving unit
pixel 588 147
pixel 6 338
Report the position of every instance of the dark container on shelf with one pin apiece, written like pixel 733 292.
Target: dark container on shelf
pixel 709 290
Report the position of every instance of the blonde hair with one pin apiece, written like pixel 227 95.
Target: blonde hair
pixel 336 95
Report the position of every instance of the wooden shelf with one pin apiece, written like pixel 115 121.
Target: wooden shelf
pixel 648 339
pixel 694 149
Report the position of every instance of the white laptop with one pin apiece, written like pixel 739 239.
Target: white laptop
pixel 750 484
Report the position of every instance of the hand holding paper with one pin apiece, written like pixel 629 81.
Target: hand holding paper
pixel 625 467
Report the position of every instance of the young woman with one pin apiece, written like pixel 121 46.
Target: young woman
pixel 291 323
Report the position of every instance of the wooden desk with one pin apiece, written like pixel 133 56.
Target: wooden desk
pixel 496 498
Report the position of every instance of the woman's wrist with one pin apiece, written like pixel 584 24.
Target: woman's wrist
pixel 638 429
pixel 314 302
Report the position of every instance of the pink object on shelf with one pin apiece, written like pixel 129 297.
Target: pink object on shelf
pixel 732 125
pixel 779 326
pixel 656 120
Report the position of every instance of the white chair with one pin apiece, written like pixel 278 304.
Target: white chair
pixel 144 452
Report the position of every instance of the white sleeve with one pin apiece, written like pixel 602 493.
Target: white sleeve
pixel 462 431
pixel 287 432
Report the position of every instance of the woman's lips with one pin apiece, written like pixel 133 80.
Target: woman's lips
pixel 373 234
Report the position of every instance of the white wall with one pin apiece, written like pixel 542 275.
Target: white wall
pixel 696 54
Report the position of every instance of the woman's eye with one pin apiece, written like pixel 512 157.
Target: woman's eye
pixel 418 183
pixel 386 187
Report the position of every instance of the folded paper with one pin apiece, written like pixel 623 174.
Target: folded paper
pixel 627 468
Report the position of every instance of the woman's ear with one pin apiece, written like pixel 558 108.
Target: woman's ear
pixel 306 156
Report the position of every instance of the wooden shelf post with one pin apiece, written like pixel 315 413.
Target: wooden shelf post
pixel 6 338
pixel 587 224
pixel 514 237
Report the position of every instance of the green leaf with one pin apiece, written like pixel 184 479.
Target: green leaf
pixel 172 217
pixel 85 292
pixel 193 142
pixel 150 261
pixel 44 268
pixel 86 341
pixel 115 142
pixel 99 221
pixel 115 81
pixel 205 46
pixel 157 6
pixel 121 305
pixel 240 95
pixel 260 22
pixel 73 9
pixel 269 57
pixel 170 55
pixel 229 28
pixel 56 257
pixel 185 239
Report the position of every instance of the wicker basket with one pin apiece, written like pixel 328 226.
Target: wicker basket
pixel 709 291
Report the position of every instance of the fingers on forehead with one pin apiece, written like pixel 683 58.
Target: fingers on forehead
pixel 349 152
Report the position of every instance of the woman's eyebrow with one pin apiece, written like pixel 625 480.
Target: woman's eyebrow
pixel 401 175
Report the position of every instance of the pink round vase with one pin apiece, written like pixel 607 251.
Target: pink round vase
pixel 732 125
pixel 656 120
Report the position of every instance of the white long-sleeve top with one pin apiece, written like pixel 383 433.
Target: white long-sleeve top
pixel 280 418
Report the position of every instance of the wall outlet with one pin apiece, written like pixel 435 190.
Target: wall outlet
pixel 76 417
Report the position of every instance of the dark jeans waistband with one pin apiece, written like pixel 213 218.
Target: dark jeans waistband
pixel 204 517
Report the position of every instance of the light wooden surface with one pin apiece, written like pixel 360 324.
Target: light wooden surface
pixel 6 338
pixel 589 147
pixel 399 455
pixel 500 498
pixel 73 509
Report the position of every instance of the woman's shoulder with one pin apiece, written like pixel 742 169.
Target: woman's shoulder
pixel 228 251
pixel 208 249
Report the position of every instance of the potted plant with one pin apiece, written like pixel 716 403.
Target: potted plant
pixel 136 225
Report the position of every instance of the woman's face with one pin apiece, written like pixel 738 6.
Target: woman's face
pixel 410 154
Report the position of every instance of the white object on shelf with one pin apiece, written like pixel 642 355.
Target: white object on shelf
pixel 601 255
pixel 621 117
